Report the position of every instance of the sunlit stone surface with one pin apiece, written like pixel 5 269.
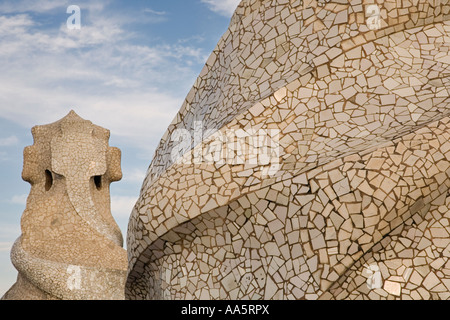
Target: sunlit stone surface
pixel 357 203
pixel 70 247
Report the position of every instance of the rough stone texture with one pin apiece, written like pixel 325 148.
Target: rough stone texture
pixel 364 161
pixel 70 247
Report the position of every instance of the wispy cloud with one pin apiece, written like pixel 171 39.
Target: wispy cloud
pixel 9 141
pixel 9 232
pixel 48 6
pixel 223 7
pixel 9 6
pixel 20 199
pixel 98 71
pixel 15 25
pixel 133 175
pixel 5 246
pixel 158 13
pixel 121 206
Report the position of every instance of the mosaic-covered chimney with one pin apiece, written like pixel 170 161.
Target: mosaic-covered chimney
pixel 70 247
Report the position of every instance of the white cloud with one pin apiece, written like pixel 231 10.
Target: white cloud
pixel 46 6
pixel 133 175
pixel 158 13
pixel 121 206
pixel 9 141
pixel 19 199
pixel 9 232
pixel 223 7
pixel 97 72
pixel 17 31
pixel 5 246
pixel 30 6
pixel 15 25
pixel 136 117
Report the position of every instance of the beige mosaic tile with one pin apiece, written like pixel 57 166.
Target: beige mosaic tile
pixel 358 109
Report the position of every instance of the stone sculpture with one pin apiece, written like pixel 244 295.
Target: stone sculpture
pixel 70 247
pixel 353 199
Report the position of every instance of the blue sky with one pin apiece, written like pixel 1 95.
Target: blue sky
pixel 127 69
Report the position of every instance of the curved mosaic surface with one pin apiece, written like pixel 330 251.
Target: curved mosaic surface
pixel 70 247
pixel 411 263
pixel 354 112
